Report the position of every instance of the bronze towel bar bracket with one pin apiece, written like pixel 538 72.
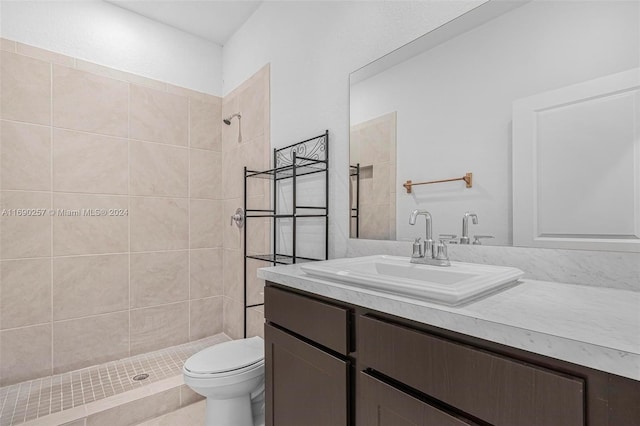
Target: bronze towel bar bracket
pixel 468 178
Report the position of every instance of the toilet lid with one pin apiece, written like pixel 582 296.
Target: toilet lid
pixel 227 356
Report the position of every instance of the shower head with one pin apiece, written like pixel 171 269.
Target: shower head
pixel 227 120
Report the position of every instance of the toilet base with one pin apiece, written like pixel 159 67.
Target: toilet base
pixel 229 412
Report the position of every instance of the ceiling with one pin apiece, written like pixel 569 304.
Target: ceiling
pixel 213 20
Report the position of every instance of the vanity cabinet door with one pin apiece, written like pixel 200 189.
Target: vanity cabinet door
pixel 380 404
pixel 305 385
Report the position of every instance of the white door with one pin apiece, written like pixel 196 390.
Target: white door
pixel 576 166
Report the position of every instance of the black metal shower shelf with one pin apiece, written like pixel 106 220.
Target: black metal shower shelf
pixel 283 216
pixel 304 158
pixel 281 259
pixel 354 171
pixel 286 172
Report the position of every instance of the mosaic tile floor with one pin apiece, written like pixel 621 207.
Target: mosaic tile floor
pixel 28 400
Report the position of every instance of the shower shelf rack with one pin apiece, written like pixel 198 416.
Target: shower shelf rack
pixel 354 172
pixel 308 157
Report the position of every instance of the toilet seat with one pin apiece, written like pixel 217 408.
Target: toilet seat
pixel 233 375
pixel 229 358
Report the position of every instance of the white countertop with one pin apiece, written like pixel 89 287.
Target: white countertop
pixel 591 326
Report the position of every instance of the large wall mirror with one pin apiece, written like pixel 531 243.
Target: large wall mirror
pixel 520 119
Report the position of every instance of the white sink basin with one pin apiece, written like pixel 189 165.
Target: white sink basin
pixel 451 285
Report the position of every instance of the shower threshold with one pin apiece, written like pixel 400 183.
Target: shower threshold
pixel 95 394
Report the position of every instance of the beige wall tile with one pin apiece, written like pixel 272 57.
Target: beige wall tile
pixel 255 286
pixel 258 233
pixel 255 322
pixel 380 186
pixel 89 102
pixel 206 222
pixel 90 285
pixel 85 234
pixel 159 327
pixel 230 132
pixel 7 45
pixel 205 121
pixel 231 234
pixel 233 273
pixel 45 55
pixel 25 353
pixel 159 278
pixel 251 101
pixel 232 174
pixel 206 317
pixel 134 412
pixel 159 116
pixel 233 318
pixel 25 236
pixel 191 94
pixel 205 179
pixel 26 156
pixel 252 154
pixel 89 341
pixel 159 170
pixel 206 273
pixel 119 75
pixel 26 89
pixel 159 224
pixel 25 290
pixel 85 162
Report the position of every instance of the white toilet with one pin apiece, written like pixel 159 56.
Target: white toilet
pixel 231 376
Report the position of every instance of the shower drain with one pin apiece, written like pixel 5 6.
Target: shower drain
pixel 139 377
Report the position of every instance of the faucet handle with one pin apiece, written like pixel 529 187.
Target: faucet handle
pixel 441 251
pixel 417 249
pixel 477 238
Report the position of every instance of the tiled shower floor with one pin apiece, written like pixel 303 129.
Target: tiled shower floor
pixel 28 400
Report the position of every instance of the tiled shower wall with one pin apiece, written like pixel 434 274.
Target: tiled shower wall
pixel 372 144
pixel 251 100
pixel 81 290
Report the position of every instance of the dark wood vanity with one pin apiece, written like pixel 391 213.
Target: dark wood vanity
pixel 332 363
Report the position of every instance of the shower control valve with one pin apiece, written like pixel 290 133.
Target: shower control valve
pixel 238 217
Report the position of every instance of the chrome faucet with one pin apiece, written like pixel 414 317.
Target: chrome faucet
pixel 428 240
pixel 432 254
pixel 464 239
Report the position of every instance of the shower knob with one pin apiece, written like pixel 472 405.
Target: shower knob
pixel 238 217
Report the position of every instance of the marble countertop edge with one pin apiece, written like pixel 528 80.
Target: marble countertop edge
pixel 622 360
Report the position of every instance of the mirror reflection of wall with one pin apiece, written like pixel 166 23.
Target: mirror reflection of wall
pixel 373 178
pixel 454 102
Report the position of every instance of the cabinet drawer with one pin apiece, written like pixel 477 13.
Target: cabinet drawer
pixel 488 386
pixel 304 384
pixel 380 404
pixel 321 322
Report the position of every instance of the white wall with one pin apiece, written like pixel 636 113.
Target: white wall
pixel 312 47
pixel 454 103
pixel 108 35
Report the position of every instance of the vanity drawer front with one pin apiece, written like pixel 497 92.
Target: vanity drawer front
pixel 380 404
pixel 321 322
pixel 488 386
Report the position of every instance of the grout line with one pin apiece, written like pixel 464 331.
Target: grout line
pixel 108 254
pixel 129 208
pixel 51 223
pixel 189 220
